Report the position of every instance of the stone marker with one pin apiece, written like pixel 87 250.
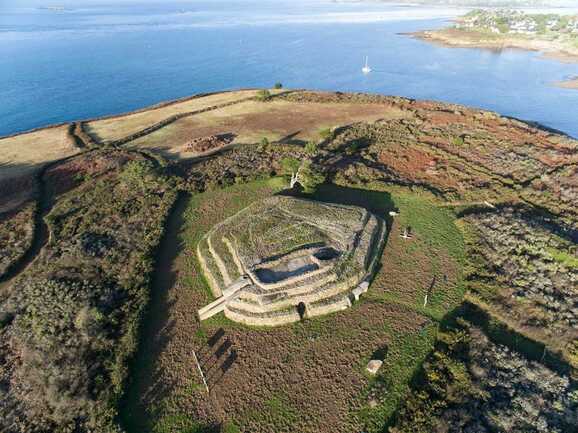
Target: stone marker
pixel 374 365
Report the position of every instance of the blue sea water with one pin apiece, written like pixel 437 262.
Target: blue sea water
pixel 95 59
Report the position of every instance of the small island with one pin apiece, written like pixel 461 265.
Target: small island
pixel 556 36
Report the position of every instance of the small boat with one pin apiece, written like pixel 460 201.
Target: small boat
pixel 366 69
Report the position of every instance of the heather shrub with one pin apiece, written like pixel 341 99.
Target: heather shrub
pixel 311 148
pixel 472 384
pixel 67 334
pixel 63 330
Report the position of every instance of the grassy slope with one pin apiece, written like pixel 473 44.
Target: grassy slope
pixel 407 343
pixel 435 237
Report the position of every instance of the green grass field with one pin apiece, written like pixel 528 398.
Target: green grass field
pixel 390 321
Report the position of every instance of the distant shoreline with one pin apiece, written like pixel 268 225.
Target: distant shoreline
pixel 456 38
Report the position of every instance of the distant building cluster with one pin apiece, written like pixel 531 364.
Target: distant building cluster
pixel 506 21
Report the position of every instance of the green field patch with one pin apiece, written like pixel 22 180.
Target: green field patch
pixel 402 363
pixel 563 257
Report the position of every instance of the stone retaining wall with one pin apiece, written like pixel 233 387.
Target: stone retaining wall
pixel 282 318
pixel 322 291
pixel 219 262
pixel 288 281
pixel 213 283
pixel 308 295
pixel 327 308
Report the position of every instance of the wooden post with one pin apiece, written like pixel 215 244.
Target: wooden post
pixel 201 371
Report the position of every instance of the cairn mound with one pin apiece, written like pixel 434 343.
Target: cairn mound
pixel 284 258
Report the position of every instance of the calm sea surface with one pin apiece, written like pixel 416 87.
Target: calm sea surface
pixel 94 60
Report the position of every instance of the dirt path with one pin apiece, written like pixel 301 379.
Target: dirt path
pixel 157 325
pixel 40 235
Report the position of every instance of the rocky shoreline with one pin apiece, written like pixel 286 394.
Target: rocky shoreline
pixel 456 38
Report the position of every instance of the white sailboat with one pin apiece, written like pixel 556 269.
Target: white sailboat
pixel 366 69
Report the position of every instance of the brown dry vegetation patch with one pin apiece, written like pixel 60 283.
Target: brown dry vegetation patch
pixel 418 164
pixel 443 117
pixel 251 121
pixel 120 126
pixel 69 174
pixel 23 154
pixel 394 151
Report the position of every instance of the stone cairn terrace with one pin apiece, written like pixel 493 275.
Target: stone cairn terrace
pixel 283 259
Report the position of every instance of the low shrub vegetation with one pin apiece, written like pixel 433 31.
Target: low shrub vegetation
pixel 523 266
pixel 71 321
pixel 472 384
pixel 16 233
pixel 263 95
